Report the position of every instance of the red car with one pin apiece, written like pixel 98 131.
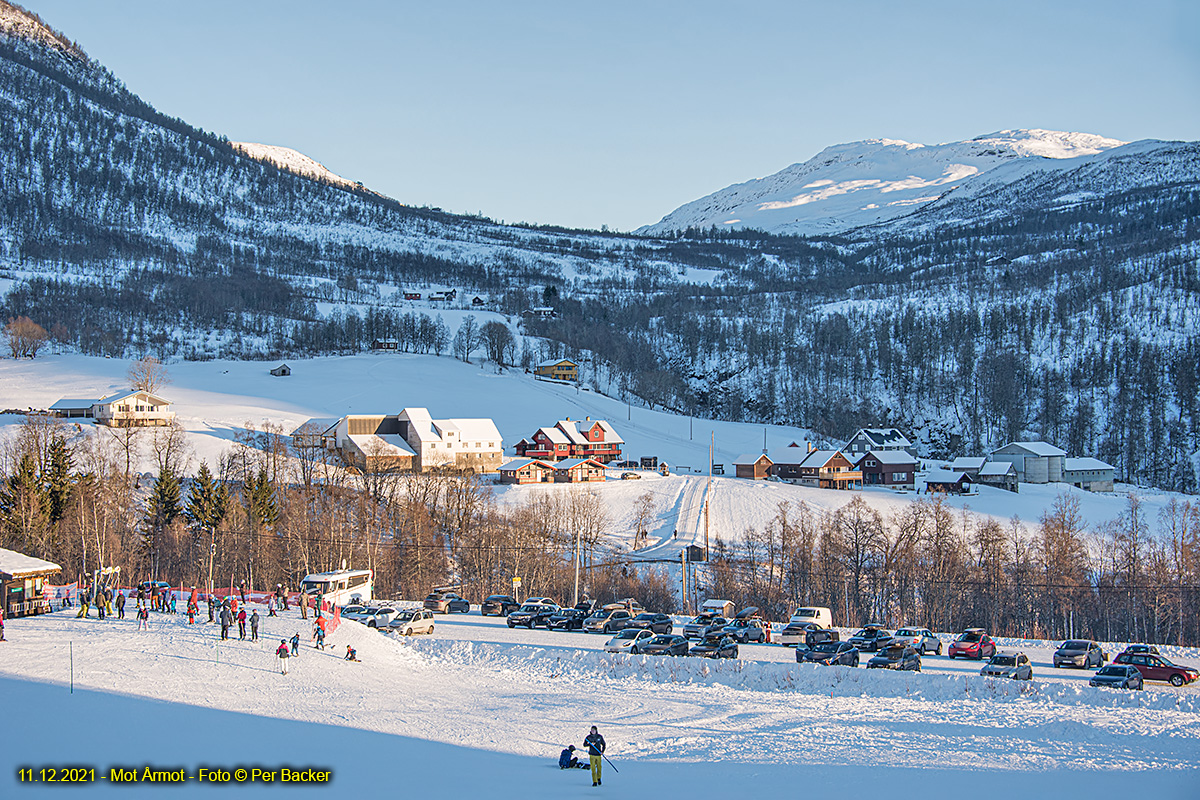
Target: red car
pixel 1156 668
pixel 973 643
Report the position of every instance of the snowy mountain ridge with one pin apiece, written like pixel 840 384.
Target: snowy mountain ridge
pixel 286 158
pixel 861 183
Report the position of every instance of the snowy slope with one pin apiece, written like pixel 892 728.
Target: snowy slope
pixel 455 716
pixel 863 183
pixel 290 160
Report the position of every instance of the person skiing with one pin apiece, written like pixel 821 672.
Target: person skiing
pixel 173 611
pixel 320 633
pixel 242 590
pixel 143 615
pixel 284 654
pixel 210 608
pixel 155 602
pixel 595 745
pixel 120 605
pixel 296 644
pixel 351 653
pixel 241 618
pixel 108 599
pixel 100 604
pixel 567 759
pixel 85 598
pixel 271 610
pixel 254 626
pixel 226 618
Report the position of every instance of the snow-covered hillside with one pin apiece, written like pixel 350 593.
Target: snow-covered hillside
pixel 862 183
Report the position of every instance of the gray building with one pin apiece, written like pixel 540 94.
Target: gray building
pixel 1090 474
pixel 1035 462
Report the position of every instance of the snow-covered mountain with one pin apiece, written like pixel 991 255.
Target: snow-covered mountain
pixel 863 183
pixel 291 160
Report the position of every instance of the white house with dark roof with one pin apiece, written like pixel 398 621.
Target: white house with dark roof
pixel 1035 462
pixel 1090 474
pixel 878 439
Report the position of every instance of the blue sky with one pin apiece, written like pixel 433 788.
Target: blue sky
pixel 615 113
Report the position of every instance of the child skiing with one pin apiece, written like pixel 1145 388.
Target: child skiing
pixel 296 644
pixel 143 615
pixel 351 653
pixel 283 653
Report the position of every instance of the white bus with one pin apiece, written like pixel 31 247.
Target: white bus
pixel 340 587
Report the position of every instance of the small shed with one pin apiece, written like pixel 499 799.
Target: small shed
pixel 969 465
pixel 945 481
pixel 1001 474
pixel 754 466
pixel 282 371
pixel 22 583
pixel 477 301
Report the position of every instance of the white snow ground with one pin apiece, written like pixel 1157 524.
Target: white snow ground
pixel 477 710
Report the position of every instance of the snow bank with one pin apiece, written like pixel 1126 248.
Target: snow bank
pixel 570 665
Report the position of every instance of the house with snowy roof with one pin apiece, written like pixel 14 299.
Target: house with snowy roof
pixel 586 438
pixel 945 481
pixel 809 466
pixel 969 464
pixel 526 470
pixel 1035 462
pixel 22 583
pixel 1000 474
pixel 462 445
pixel 1090 474
pixel 878 439
pixel 892 468
pixel 578 470
pixel 755 466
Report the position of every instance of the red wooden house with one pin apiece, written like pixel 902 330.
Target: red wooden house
pixel 587 438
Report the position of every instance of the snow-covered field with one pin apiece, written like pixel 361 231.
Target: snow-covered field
pixel 478 710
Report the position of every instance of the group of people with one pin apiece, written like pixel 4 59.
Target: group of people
pixel 231 612
pixel 595 745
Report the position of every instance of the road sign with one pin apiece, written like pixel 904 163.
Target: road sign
pixel 516 582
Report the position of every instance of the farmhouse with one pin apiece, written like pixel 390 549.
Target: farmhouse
pixel 756 466
pixel 946 481
pixel 879 439
pixel 1090 474
pixel 968 465
pixel 370 442
pixel 562 369
pixel 526 470
pixel 578 470
pixel 22 581
pixel 127 409
pixel 586 438
pixel 1035 462
pixel 828 469
pixel 385 345
pixel 894 468
pixel 464 445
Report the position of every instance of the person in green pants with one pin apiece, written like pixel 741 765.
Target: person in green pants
pixel 595 745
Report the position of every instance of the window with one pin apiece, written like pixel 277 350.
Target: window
pixel 871 463
pixel 899 477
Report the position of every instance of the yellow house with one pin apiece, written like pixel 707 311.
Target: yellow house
pixel 562 369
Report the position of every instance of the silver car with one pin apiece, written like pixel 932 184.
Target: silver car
pixel 408 622
pixel 1008 665
pixel 920 639
pixel 628 640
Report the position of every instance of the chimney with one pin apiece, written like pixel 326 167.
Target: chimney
pixel 809 445
pixel 587 419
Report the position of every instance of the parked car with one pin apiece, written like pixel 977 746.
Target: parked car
pixel 608 620
pixel 1141 648
pixel 703 625
pixel 408 622
pixel 379 617
pixel 630 476
pixel 659 623
pixel 820 636
pixel 919 638
pixel 531 615
pixel 1118 676
pixel 871 637
pixel 498 605
pixel 718 645
pixel 973 643
pixel 626 464
pixel 795 634
pixel 566 619
pixel 829 653
pixel 446 603
pixel 747 627
pixel 354 611
pixel 1079 653
pixel 821 615
pixel 546 601
pixel 896 656
pixel 629 640
pixel 1156 668
pixel 1009 665
pixel 665 645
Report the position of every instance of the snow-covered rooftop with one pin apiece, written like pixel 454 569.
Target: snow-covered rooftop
pixel 1085 463
pixel 17 564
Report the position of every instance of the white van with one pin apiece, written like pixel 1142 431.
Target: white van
pixel 817 614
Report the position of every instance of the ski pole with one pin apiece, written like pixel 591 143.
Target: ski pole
pixel 614 766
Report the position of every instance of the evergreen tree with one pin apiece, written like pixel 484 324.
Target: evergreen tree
pixel 165 503
pixel 58 478
pixel 261 504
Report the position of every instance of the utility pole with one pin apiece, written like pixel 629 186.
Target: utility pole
pixel 708 490
pixel 683 593
pixel 577 535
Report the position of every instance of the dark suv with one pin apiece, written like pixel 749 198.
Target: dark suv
pixel 498 605
pixel 1156 668
pixel 659 623
pixel 531 615
pixel 446 603
pixel 896 656
pixel 871 637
